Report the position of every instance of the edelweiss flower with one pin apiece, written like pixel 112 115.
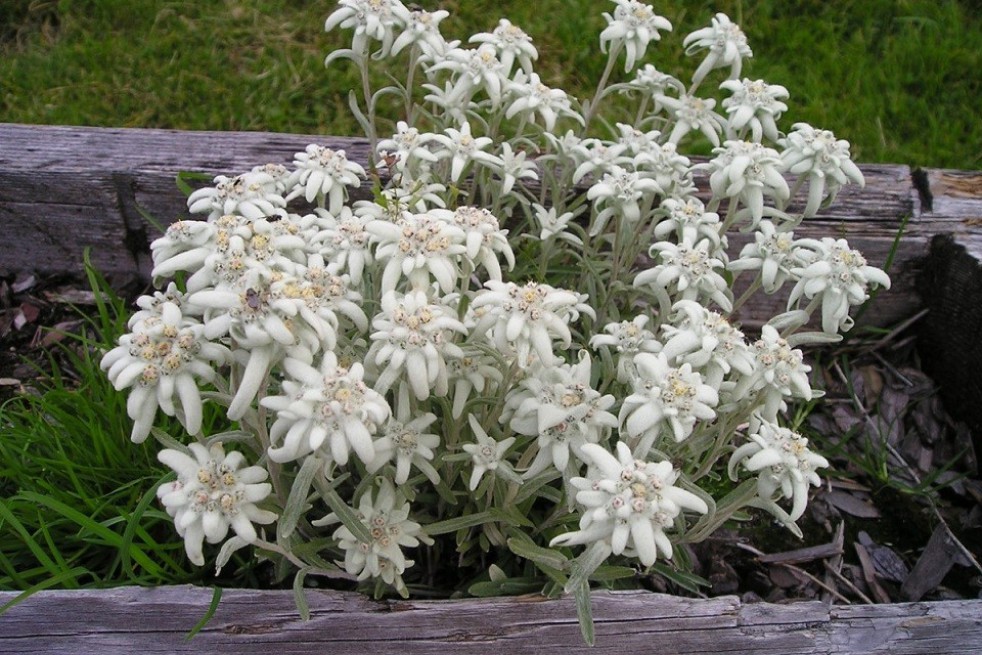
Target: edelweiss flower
pixel 265 323
pixel 785 467
pixel 422 29
pixel 687 271
pixel 653 82
pixel 345 241
pixel 474 69
pixel 413 197
pixel 323 174
pixel 688 220
pixel 253 195
pixel 418 246
pixel 251 311
pixel 533 97
pixel 477 371
pixel 405 441
pixel 279 173
pixel 161 359
pixel 484 238
pixel 412 341
pixel 211 494
pixel 627 338
pixel 523 319
pixel 670 170
pixel 773 253
pixel 628 504
pixel 595 157
pixel 693 114
pixel 184 246
pixel 237 247
pixel 323 298
pixel 665 396
pixel 408 150
pixel 511 44
pixel 779 372
pixel 515 167
pixel 488 455
pixel 634 25
pixel 824 160
pixel 370 19
pixel 707 342
pixel 637 141
pixel 839 276
pixel 327 410
pixel 464 149
pixel 622 194
pixel 727 45
pixel 387 518
pixel 553 225
pixel 557 405
pixel 756 105
pixel 750 172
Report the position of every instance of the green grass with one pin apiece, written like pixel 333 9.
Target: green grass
pixel 77 499
pixel 899 78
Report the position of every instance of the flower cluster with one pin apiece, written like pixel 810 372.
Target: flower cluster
pixel 525 331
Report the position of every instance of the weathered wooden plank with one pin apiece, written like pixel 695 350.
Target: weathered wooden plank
pixel 133 620
pixel 113 176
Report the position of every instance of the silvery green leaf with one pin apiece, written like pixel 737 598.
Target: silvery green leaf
pixel 790 320
pixel 584 611
pixel 813 338
pixel 347 515
pixel 525 548
pixel 608 573
pixel 168 441
pixel 235 436
pixel 299 596
pixel 684 579
pixel 587 562
pixel 228 548
pixel 356 111
pixel 296 502
pixel 458 523
pixel 344 53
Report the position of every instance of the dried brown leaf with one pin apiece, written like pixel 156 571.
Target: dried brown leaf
pixel 888 564
pixel 869 574
pixel 852 504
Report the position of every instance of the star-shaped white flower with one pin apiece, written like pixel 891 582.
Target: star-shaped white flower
pixel 488 455
pixel 212 493
pixel 726 43
pixel 823 160
pixel 412 342
pixel 633 26
pixel 323 174
pixel 784 465
pixel 327 410
pixel 664 396
pixel 162 359
pixel 526 319
pixel 838 277
pixel 386 516
pixel 628 504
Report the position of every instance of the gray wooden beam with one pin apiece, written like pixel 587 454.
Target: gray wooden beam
pixel 133 620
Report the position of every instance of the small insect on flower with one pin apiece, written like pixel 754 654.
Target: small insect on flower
pixel 253 299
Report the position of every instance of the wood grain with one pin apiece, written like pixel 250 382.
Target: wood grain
pixel 134 620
